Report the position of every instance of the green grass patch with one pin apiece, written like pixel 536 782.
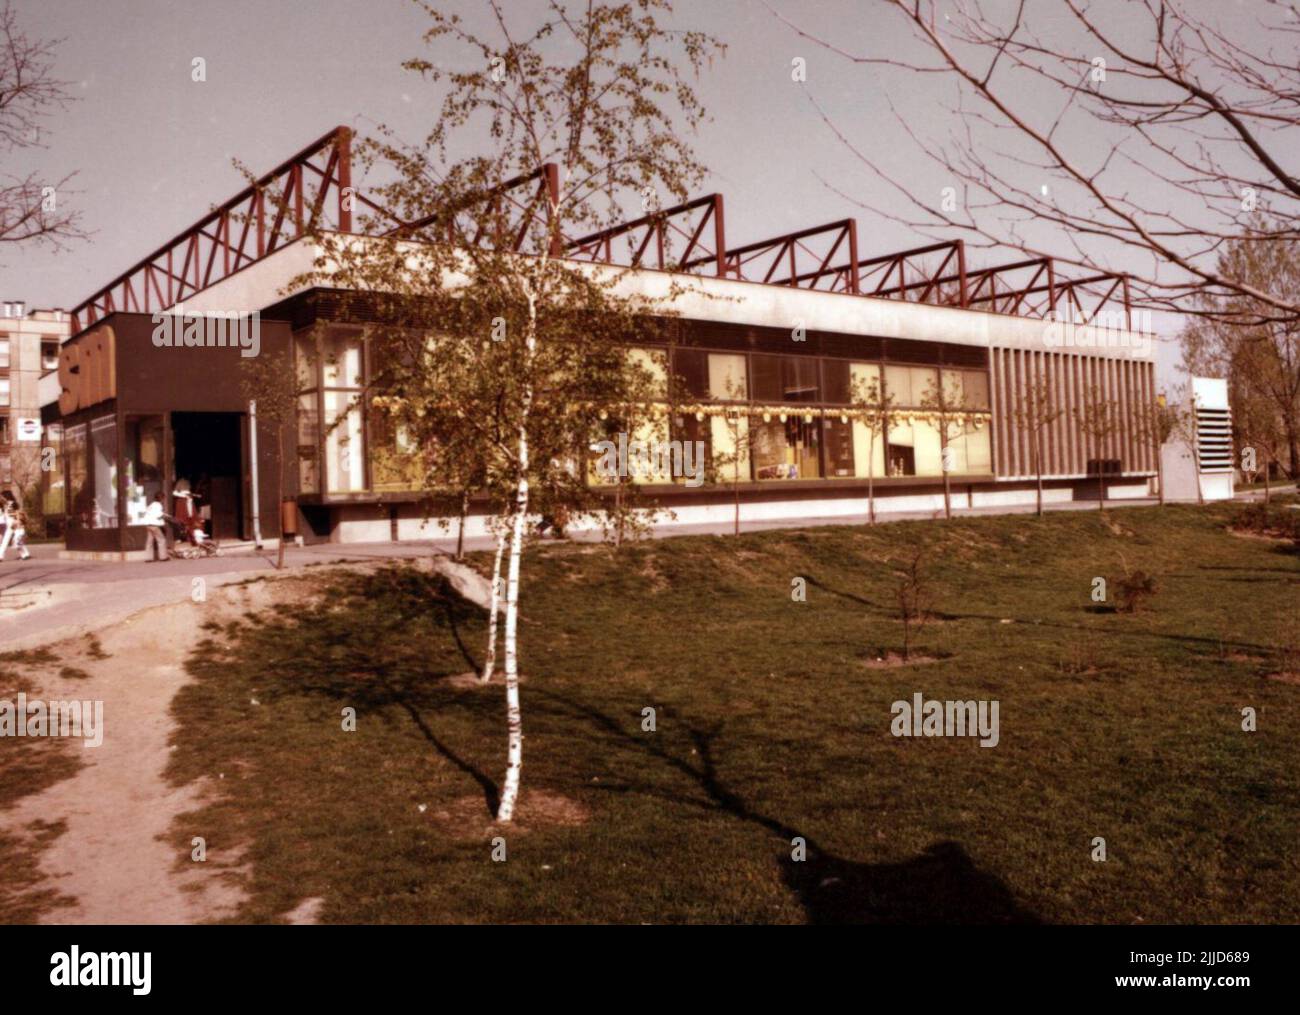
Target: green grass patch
pixel 772 723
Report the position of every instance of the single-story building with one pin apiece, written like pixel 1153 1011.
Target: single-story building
pixel 784 326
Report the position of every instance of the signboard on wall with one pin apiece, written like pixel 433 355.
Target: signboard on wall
pixel 29 428
pixel 88 370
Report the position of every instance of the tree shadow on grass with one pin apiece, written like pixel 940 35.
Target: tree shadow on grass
pixel 1186 639
pixel 370 644
pixel 941 886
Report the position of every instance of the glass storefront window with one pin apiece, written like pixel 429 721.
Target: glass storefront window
pixel 103 446
pixel 143 461
pixel 342 359
pixel 74 449
pixel 914 449
pixel 655 370
pixel 785 378
pixel 730 447
pixel 838 436
pixel 688 429
pixel 868 443
pixel 395 462
pixel 787 450
pixel 837 381
pixel 54 492
pixel 308 472
pixel 727 381
pixel 304 360
pixel 691 368
pixel 970 449
pixel 909 386
pixel 344 447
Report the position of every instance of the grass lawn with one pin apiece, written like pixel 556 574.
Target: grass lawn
pixel 771 724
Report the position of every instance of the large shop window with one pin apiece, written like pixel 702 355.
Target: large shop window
pixel 730 440
pixel 308 443
pixel 83 504
pixel 345 462
pixel 342 360
pixel 970 448
pixel 143 456
pixel 911 387
pixel 342 376
pixel 785 378
pixel 55 489
pixel 827 445
pixel 395 462
pixel 868 442
pixel 787 450
pixel 103 446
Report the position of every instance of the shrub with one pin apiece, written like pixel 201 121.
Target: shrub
pixel 1133 588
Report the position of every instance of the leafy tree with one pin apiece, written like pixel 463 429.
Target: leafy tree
pixel 485 333
pixel 1236 338
pixel 1037 409
pixel 871 405
pixel 913 595
pixel 947 408
pixel 741 436
pixel 1098 420
pixel 32 208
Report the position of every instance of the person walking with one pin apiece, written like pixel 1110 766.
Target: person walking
pixel 155 540
pixel 7 521
pixel 19 525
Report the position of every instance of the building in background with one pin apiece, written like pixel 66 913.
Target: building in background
pixel 1200 466
pixel 29 349
pixel 776 331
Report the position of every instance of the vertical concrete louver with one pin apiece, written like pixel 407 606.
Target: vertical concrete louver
pixel 1129 384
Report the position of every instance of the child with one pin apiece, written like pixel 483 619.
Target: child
pixel 155 540
pixel 9 521
pixel 19 524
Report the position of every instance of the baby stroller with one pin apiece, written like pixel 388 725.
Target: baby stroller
pixel 191 540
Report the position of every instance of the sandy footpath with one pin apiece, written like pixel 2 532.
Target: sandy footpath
pixel 116 857
pixel 120 857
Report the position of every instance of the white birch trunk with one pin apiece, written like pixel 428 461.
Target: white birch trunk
pixel 514 715
pixel 490 664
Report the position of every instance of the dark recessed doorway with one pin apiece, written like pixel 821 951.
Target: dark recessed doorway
pixel 208 452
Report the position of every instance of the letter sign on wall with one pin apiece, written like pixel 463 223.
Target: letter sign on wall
pixel 88 370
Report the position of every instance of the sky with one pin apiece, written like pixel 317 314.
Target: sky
pixel 153 150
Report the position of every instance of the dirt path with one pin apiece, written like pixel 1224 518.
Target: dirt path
pixel 117 856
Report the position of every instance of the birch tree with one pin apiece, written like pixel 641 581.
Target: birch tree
pixel 475 270
pixel 1036 411
pixel 948 408
pixel 871 406
pixel 1098 420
